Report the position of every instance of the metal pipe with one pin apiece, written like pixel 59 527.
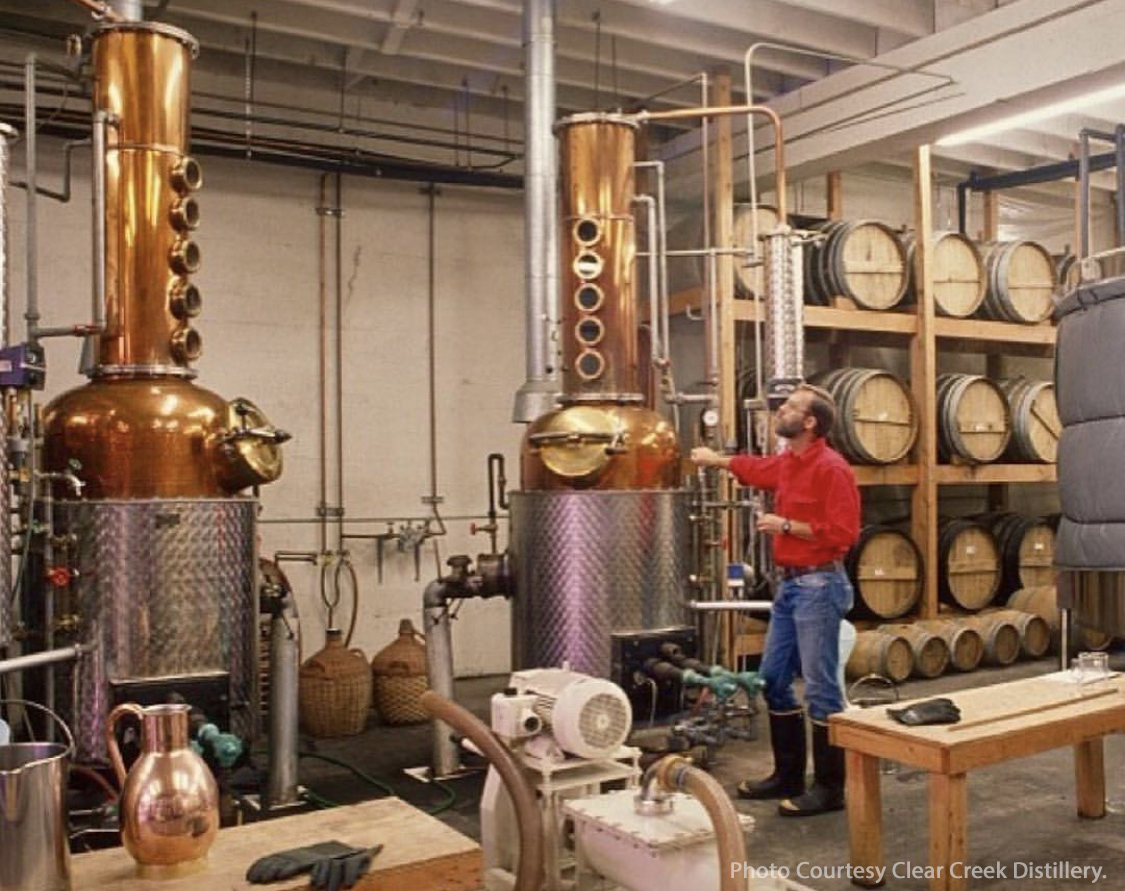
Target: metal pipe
pixel 717 111
pixel 1119 151
pixel 1083 196
pixel 100 8
pixel 339 338
pixel 128 10
pixel 1043 174
pixel 662 253
pixel 431 346
pixel 439 669
pixel 97 204
pixel 322 357
pixel 6 620
pixel 730 606
pixel 537 395
pixel 48 593
pixel 653 295
pixel 962 206
pixel 31 312
pixel 7 134
pixel 285 660
pixel 44 657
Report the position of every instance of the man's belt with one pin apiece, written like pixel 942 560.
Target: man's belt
pixel 791 572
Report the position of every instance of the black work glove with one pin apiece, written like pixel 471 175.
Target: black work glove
pixel 286 864
pixel 930 711
pixel 335 873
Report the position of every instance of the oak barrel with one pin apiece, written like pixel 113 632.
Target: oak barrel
pixel 885 567
pixel 1035 420
pixel 875 418
pixel 1021 282
pixel 973 422
pixel 1043 601
pixel 968 564
pixel 1035 633
pixel 1070 271
pixel 863 260
pixel 876 652
pixel 1001 638
pixel 931 652
pixel 966 648
pixel 959 276
pixel 1027 550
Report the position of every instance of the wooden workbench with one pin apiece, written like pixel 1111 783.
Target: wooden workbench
pixel 420 853
pixel 998 723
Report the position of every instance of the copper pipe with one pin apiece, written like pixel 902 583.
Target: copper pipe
pixel 679 114
pixel 100 9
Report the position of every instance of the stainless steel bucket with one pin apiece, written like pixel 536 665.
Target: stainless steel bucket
pixel 33 831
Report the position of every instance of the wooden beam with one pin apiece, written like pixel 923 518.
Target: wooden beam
pixel 835 196
pixel 923 373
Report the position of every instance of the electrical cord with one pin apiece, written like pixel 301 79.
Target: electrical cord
pixel 441 807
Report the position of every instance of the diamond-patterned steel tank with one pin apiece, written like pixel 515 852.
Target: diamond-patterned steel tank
pixel 591 564
pixel 165 590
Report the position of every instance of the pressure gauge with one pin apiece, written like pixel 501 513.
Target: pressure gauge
pixel 710 418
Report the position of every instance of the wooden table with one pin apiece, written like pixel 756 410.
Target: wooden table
pixel 998 723
pixel 420 853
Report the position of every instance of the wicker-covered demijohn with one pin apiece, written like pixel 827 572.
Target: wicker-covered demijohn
pixel 399 670
pixel 334 690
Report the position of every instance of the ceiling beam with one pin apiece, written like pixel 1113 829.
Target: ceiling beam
pixel 402 19
pixel 914 18
pixel 863 113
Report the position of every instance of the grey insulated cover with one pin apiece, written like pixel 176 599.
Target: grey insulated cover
pixel 1090 390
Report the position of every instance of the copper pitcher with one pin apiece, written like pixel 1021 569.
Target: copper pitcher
pixel 169 806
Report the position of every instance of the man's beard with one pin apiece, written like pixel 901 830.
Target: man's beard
pixel 789 429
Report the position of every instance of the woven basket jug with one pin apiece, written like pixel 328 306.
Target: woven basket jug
pixel 334 690
pixel 399 670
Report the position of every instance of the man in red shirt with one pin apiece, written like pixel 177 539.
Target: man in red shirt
pixel 814 523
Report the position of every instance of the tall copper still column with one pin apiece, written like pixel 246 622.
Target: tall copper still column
pixel 600 527
pixel 164 544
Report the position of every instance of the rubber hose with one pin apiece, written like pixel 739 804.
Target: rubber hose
pixel 529 873
pixel 678 774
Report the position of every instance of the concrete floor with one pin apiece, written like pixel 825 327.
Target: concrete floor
pixel 1020 812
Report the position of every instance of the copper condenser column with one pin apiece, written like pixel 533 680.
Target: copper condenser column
pixel 600 527
pixel 164 544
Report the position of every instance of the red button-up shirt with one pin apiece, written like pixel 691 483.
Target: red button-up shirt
pixel 815 487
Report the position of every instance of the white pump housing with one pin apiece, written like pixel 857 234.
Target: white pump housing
pixel 587 717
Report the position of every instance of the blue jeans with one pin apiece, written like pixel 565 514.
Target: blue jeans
pixel 804 636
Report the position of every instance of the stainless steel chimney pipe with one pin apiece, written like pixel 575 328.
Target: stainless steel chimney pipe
pixel 537 395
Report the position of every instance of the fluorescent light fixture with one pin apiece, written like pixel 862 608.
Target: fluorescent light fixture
pixel 1041 113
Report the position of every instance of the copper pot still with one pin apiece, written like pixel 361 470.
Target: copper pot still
pixel 169 807
pixel 141 428
pixel 604 437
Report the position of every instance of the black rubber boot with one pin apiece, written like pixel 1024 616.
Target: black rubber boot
pixel 827 792
pixel 787 737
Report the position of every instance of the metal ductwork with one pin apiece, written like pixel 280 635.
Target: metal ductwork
pixel 540 391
